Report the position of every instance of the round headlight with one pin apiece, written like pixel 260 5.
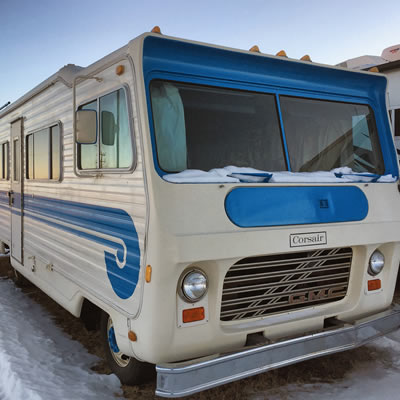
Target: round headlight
pixel 376 263
pixel 194 285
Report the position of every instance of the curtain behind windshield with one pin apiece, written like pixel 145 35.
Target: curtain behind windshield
pixel 322 135
pixel 169 125
pixel 199 127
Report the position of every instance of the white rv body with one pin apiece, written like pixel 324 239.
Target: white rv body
pixel 65 265
pixel 63 241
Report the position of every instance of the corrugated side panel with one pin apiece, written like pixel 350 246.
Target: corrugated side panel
pixel 5 216
pixel 90 229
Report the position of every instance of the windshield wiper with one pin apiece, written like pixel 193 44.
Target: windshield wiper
pixel 251 177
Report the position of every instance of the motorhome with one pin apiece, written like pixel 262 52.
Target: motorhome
pixel 218 212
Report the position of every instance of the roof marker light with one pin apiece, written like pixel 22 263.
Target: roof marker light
pixel 281 53
pixel 156 29
pixel 373 69
pixel 255 49
pixel 306 57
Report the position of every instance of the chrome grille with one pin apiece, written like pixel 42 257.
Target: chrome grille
pixel 265 285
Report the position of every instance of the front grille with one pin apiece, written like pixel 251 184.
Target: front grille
pixel 265 285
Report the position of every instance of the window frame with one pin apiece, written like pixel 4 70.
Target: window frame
pixel 26 149
pixel 7 171
pixel 97 171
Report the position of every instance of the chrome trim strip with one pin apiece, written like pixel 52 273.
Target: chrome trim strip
pixel 183 379
pixel 251 277
pixel 273 263
pixel 252 288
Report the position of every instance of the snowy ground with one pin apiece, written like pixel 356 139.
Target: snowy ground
pixel 377 379
pixel 38 361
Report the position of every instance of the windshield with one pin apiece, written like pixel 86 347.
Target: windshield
pixel 201 127
pixel 323 135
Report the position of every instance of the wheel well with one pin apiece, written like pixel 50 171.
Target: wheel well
pixel 90 315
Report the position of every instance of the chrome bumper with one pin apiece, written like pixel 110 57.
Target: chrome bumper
pixel 182 379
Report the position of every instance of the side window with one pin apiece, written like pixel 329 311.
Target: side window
pixel 43 155
pixel 113 147
pixel 4 161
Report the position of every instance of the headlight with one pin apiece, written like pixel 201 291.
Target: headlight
pixel 376 263
pixel 194 285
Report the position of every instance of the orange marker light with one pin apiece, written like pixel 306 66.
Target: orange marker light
pixel 374 69
pixel 193 315
pixel 374 284
pixel 281 53
pixel 148 274
pixel 132 336
pixel 255 49
pixel 120 70
pixel 156 29
pixel 306 57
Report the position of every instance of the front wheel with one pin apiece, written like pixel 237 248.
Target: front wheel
pixel 129 370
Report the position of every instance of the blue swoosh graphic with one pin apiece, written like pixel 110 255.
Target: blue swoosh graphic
pixel 110 227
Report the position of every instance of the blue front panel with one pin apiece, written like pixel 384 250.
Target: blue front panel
pixel 276 206
pixel 195 63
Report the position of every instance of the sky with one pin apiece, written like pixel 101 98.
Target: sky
pixel 38 37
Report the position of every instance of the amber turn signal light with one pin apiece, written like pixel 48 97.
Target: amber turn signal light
pixel 374 284
pixel 148 273
pixel 193 314
pixel 132 336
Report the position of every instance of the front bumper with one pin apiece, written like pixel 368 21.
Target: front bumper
pixel 185 378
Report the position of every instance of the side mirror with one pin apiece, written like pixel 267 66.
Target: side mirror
pixel 86 127
pixel 108 128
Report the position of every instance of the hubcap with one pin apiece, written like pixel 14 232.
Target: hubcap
pixel 121 359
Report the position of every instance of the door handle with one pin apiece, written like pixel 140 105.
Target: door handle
pixel 10 195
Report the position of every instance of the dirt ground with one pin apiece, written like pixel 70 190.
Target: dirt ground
pixel 321 370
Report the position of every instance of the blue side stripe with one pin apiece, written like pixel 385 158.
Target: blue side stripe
pixel 123 264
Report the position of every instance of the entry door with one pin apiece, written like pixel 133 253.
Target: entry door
pixel 15 195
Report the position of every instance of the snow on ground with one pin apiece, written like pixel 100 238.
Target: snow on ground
pixel 375 380
pixel 38 361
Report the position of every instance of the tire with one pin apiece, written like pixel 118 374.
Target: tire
pixel 129 370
